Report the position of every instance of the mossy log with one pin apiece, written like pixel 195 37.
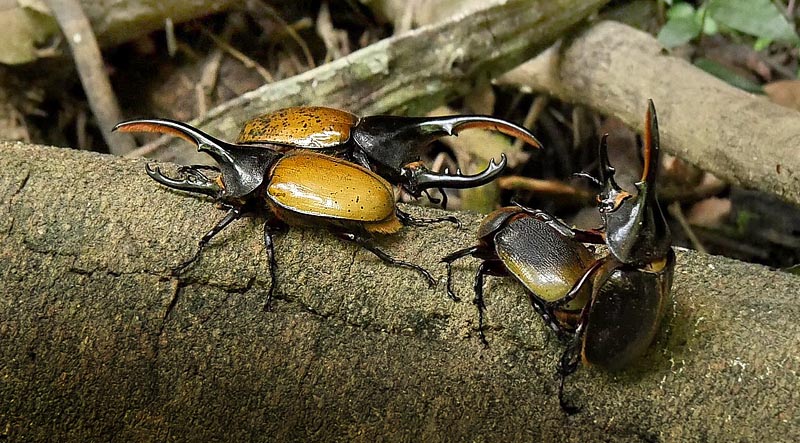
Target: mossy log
pixel 98 342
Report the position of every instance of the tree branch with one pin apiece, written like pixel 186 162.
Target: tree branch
pixel 738 136
pixel 97 342
pixel 414 72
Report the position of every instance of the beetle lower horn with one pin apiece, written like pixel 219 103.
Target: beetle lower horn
pixel 419 178
pixel 193 183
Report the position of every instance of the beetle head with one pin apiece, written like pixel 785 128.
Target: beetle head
pixel 415 177
pixel 636 230
pixel 242 168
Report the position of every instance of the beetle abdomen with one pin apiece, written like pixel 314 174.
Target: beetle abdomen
pixel 547 263
pixel 322 186
pixel 309 127
pixel 625 317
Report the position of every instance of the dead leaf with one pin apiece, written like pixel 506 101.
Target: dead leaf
pixel 709 213
pixel 785 93
pixel 24 28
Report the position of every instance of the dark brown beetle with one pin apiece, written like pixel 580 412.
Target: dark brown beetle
pixel 610 307
pixel 290 188
pixel 389 145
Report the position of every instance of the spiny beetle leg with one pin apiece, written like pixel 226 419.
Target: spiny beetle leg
pixel 600 269
pixel 449 261
pixel 272 227
pixel 367 244
pixel 568 364
pixel 483 269
pixel 444 198
pixel 442 202
pixel 233 214
pixel 546 314
pixel 409 220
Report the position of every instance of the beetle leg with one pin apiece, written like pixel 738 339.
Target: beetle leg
pixel 444 198
pixel 270 228
pixel 605 265
pixel 442 202
pixel 233 214
pixel 568 364
pixel 409 220
pixel 449 261
pixel 546 314
pixel 367 244
pixel 483 269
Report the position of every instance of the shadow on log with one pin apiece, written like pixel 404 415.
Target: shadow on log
pixel 97 342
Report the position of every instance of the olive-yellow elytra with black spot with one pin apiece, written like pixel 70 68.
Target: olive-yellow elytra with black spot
pixel 310 127
pixel 387 144
pixel 321 186
pixel 305 188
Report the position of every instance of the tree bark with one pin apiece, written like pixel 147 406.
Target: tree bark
pixel 98 342
pixel 738 136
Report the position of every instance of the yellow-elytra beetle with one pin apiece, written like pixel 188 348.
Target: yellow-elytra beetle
pixel 387 144
pixel 611 307
pixel 293 188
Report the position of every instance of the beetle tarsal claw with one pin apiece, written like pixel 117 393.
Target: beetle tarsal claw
pixel 420 178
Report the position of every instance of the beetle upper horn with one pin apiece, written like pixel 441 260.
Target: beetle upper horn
pixel 452 125
pixel 652 149
pixel 171 127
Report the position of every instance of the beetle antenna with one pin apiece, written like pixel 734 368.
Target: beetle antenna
pixel 589 177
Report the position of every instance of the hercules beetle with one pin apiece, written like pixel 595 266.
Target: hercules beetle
pixel 387 144
pixel 295 187
pixel 610 307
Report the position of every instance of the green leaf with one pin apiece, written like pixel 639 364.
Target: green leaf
pixel 680 10
pixel 680 28
pixel 760 18
pixel 709 25
pixel 762 43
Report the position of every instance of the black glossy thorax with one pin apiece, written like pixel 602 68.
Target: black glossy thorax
pixel 625 315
